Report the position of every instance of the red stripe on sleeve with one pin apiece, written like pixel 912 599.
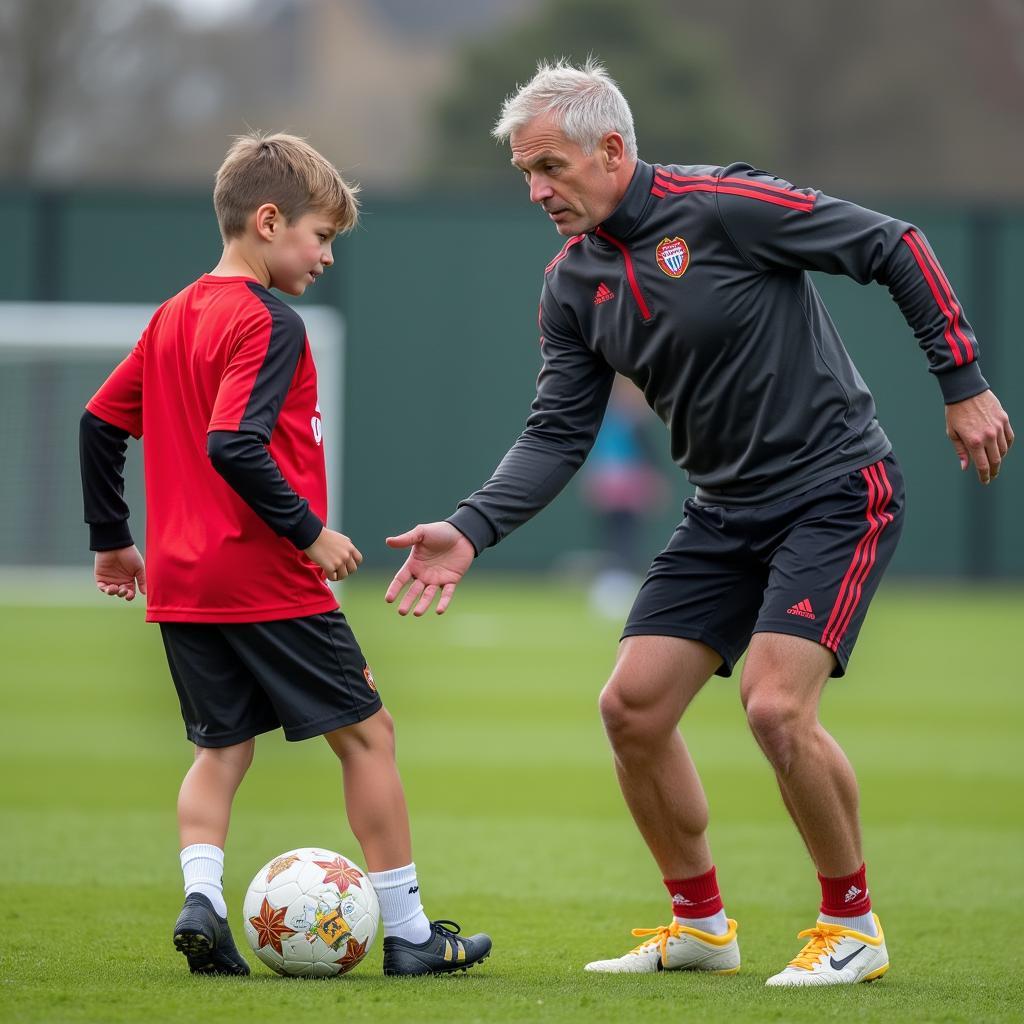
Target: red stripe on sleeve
pixel 790 193
pixel 951 312
pixel 668 187
pixel 947 290
pixel 790 200
pixel 793 202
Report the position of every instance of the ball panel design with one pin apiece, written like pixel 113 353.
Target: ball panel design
pixel 310 912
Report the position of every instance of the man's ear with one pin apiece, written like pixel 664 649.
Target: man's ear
pixel 613 149
pixel 268 221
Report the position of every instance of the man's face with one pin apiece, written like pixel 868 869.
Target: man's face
pixel 300 252
pixel 576 190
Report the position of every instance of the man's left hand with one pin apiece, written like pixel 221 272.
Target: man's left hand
pixel 980 431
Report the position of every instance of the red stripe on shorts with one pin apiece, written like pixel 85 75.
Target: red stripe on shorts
pixel 879 496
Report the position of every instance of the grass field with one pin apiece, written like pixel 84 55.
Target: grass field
pixel 518 825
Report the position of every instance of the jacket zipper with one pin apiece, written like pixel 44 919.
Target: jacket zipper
pixel 634 285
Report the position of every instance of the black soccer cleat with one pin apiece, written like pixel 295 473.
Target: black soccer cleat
pixel 205 939
pixel 443 952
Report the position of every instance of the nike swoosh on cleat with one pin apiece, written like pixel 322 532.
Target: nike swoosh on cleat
pixel 838 965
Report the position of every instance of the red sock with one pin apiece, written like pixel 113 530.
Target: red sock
pixel 694 897
pixel 846 896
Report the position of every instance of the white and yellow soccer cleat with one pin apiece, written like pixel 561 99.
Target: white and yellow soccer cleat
pixel 835 956
pixel 675 947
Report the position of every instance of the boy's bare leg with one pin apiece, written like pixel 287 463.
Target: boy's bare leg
pixel 374 798
pixel 202 932
pixel 377 812
pixel 208 790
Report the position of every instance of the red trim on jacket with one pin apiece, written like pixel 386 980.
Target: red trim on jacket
pixel 792 200
pixel 790 192
pixel 942 291
pixel 565 252
pixel 630 273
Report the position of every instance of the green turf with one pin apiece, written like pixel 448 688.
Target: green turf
pixel 517 820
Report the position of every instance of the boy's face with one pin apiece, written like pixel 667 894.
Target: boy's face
pixel 300 252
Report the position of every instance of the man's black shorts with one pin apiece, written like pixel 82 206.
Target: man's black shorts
pixel 236 680
pixel 805 566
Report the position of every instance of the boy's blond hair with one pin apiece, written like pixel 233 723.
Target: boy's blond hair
pixel 286 171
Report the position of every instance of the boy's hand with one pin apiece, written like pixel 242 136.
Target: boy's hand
pixel 119 572
pixel 335 554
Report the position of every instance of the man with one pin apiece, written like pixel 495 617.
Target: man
pixel 692 282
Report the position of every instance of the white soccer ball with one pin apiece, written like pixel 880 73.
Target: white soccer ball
pixel 311 913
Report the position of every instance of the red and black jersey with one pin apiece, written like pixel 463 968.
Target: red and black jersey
pixel 697 289
pixel 222 388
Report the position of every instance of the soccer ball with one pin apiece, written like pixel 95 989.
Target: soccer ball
pixel 310 913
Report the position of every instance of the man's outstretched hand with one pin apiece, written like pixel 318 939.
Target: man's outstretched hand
pixel 439 558
pixel 981 433
pixel 118 573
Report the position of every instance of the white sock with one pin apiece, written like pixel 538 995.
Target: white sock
pixel 865 924
pixel 400 908
pixel 203 868
pixel 716 924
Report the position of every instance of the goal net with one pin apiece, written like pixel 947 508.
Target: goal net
pixel 53 357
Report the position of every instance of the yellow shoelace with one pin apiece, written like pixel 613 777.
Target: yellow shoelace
pixel 823 940
pixel 659 935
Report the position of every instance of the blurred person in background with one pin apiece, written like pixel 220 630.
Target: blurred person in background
pixel 799 500
pixel 624 487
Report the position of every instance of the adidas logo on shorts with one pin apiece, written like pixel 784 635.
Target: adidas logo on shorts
pixel 803 609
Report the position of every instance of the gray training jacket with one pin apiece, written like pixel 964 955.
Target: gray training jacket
pixel 696 289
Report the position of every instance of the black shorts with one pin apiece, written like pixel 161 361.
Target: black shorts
pixel 805 566
pixel 236 680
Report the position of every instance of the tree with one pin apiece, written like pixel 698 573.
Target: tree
pixel 81 75
pixel 94 90
pixel 676 81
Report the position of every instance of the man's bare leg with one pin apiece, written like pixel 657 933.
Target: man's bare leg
pixel 653 682
pixel 782 683
pixel 783 680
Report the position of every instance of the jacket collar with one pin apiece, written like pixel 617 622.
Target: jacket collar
pixel 625 218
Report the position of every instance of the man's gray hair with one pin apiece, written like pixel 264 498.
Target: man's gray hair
pixel 585 101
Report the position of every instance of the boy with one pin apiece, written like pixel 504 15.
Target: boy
pixel 222 384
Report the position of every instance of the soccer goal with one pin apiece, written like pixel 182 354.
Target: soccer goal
pixel 53 357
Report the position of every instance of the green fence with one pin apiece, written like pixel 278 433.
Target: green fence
pixel 440 300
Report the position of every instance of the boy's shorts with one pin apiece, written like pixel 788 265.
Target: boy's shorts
pixel 236 680
pixel 805 566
